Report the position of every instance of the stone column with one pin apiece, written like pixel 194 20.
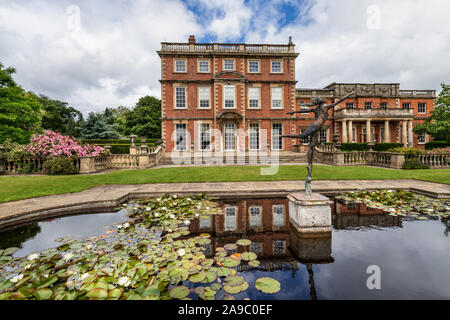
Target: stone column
pixel 350 131
pixel 344 131
pixel 410 133
pixel 404 134
pixel 368 131
pixel 387 131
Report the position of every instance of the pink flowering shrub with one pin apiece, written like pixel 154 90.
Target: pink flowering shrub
pixel 52 144
pixel 445 150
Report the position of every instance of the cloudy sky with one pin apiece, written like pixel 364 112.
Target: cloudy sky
pixel 99 53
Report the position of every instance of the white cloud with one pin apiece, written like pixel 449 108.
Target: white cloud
pixel 411 45
pixel 112 59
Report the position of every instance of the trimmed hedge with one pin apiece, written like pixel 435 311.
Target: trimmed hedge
pixel 414 163
pixel 385 146
pixel 150 142
pixel 354 147
pixel 380 146
pixel 436 144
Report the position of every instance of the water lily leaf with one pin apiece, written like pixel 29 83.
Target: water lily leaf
pixel 235 289
pixel 198 277
pixel 254 263
pixel 230 246
pixel 5 295
pixel 243 242
pixel 134 297
pixel 43 294
pixel 228 262
pixel 248 256
pixel 204 241
pixel 98 293
pixel 267 285
pixel 115 293
pixel 216 286
pixel 10 251
pixel 236 256
pixel 210 277
pixel 179 292
pixel 224 272
pixel 48 282
pixel 228 297
pixel 234 280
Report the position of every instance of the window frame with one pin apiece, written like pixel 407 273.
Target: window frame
pixel 348 104
pixel 283 214
pixel 258 139
pixel 224 96
pixel 281 66
pixel 200 136
pixel 175 104
pixel 272 136
pixel 281 98
pixel 230 59
pixel 225 218
pixel 406 103
pixel 424 138
pixel 177 125
pixel 384 103
pixel 259 97
pixel 175 66
pixel 199 106
pixel 254 60
pixel 424 104
pixel 198 65
pixel 260 222
pixel 368 105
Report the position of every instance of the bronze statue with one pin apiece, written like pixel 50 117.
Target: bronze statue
pixel 321 115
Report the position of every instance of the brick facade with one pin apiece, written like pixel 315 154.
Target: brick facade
pixel 191 72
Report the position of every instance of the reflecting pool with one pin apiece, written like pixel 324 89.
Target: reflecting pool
pixel 413 255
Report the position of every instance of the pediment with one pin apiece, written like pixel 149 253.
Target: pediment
pixel 229 75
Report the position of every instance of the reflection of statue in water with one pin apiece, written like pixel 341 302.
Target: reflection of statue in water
pixel 321 115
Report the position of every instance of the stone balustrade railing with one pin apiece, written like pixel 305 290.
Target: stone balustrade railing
pixel 380 159
pixel 92 164
pixel 12 167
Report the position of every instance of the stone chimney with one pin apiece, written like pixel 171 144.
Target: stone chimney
pixel 191 39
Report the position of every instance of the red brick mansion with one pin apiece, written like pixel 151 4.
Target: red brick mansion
pixel 230 97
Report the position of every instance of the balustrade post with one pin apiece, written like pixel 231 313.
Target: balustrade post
pixel 87 165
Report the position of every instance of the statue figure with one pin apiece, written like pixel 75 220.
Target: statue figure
pixel 321 115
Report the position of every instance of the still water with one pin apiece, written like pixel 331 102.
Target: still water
pixel 413 256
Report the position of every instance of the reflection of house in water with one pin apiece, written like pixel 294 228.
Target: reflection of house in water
pixel 264 221
pixel 354 215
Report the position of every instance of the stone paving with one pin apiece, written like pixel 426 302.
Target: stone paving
pixel 106 198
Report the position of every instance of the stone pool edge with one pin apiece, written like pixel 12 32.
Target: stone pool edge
pixel 106 198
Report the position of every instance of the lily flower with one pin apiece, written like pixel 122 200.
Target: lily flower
pixel 124 281
pixel 33 256
pixel 16 278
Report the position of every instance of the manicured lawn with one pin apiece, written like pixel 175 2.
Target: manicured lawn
pixel 15 188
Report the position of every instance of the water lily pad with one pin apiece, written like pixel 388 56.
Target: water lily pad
pixel 210 277
pixel 243 242
pixel 228 297
pixel 230 246
pixel 248 256
pixel 43 294
pixel 204 241
pixel 98 293
pixel 234 280
pixel 10 251
pixel 198 277
pixel 267 285
pixel 179 292
pixel 115 293
pixel 254 263
pixel 235 289
pixel 228 262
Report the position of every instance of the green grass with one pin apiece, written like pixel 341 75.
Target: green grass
pixel 23 187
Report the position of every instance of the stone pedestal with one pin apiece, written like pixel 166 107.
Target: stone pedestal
pixel 310 214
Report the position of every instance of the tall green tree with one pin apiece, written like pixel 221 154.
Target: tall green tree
pixel 438 124
pixel 145 118
pixel 20 111
pixel 59 117
pixel 96 126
